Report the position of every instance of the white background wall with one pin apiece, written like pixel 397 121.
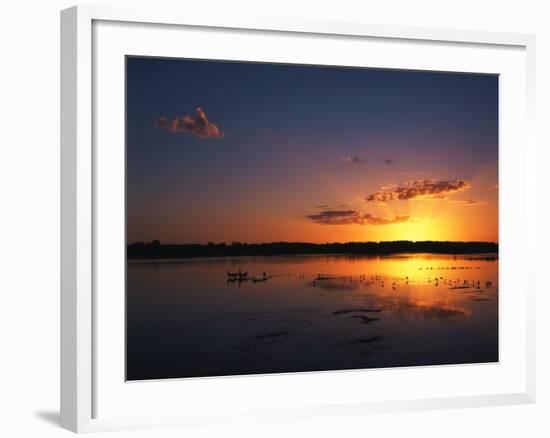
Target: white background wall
pixel 29 215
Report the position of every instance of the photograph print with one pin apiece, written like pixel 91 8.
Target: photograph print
pixel 285 218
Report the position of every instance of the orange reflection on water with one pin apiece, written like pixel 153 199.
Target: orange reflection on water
pixel 311 312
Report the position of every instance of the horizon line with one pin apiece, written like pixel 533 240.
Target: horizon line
pixel 159 242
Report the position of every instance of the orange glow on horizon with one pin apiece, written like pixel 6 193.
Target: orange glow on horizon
pixel 267 213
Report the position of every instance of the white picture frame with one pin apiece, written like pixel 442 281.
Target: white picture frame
pixel 80 167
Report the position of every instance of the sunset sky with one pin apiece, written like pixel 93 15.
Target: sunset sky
pixel 224 152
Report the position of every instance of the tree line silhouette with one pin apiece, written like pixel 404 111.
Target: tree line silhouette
pixel 157 250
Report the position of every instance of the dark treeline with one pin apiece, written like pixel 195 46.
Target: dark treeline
pixel 156 250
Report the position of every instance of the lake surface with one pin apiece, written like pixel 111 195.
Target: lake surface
pixel 309 313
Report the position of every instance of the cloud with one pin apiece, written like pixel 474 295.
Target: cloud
pixel 373 220
pixel 321 206
pixel 352 217
pixel 353 160
pixel 467 202
pixel 198 125
pixel 388 161
pixel 427 188
pixel 494 187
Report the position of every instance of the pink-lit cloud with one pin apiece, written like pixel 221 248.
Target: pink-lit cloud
pixel 198 125
pixel 426 188
pixel 352 217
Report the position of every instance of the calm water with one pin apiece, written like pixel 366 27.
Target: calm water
pixel 185 319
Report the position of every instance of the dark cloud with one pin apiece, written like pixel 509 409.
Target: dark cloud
pixel 353 160
pixel 388 161
pixel 352 217
pixel 427 188
pixel 321 206
pixel 198 125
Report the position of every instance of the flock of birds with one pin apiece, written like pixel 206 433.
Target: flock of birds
pixel 452 283
pixel 241 277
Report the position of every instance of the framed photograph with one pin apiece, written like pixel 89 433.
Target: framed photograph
pixel 290 218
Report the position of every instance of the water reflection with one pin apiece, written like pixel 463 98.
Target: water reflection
pixel 205 317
